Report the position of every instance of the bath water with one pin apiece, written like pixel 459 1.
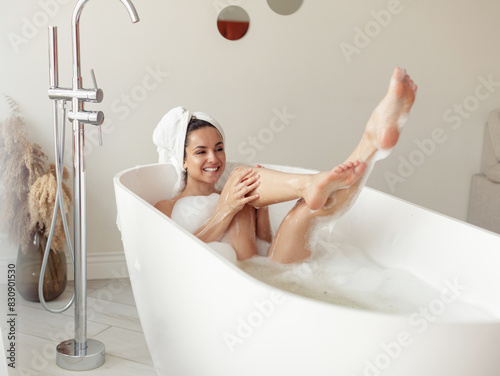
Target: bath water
pixel 342 274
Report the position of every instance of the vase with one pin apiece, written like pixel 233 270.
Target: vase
pixel 29 263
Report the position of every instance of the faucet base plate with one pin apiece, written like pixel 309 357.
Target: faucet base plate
pixel 73 359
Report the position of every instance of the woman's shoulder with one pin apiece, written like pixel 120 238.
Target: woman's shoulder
pixel 166 206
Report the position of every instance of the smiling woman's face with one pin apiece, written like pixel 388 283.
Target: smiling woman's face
pixel 205 156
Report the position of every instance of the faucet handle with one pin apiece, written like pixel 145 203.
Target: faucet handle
pixel 99 133
pixel 92 75
pixel 96 95
pixel 87 117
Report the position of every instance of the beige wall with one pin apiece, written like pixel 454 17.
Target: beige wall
pixel 297 90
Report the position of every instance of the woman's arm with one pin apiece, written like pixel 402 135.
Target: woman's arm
pixel 213 229
pixel 232 199
pixel 216 226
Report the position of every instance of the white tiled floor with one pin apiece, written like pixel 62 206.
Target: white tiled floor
pixel 112 319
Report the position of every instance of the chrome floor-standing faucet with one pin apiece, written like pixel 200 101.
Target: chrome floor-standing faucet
pixel 80 353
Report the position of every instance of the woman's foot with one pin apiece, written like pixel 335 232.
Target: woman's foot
pixel 392 112
pixel 325 183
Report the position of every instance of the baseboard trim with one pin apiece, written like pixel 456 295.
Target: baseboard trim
pixel 105 265
pixel 100 265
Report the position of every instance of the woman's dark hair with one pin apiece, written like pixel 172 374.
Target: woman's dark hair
pixel 194 125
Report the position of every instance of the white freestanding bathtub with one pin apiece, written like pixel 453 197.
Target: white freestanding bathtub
pixel 202 315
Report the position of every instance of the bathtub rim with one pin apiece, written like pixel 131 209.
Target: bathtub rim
pixel 118 175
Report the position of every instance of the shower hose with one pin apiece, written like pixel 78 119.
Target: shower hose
pixel 59 137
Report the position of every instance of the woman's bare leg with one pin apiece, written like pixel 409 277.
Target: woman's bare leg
pixel 381 134
pixel 243 228
pixel 277 186
pixel 241 233
pixel 290 244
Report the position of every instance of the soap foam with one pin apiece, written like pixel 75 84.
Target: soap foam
pixel 342 274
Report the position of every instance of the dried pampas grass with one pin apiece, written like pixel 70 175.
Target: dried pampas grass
pixel 41 198
pixel 22 164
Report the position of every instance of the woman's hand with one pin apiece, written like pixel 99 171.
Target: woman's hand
pixel 244 182
pixel 262 208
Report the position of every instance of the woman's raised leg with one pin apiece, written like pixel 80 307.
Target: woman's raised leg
pixel 381 134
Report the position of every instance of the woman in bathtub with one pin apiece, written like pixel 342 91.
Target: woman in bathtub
pixel 237 213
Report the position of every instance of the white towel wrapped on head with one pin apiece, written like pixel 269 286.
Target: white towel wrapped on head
pixel 170 135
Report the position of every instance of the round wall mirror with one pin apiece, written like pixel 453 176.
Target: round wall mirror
pixel 233 22
pixel 285 7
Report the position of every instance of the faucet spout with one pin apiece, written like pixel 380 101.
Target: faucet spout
pixel 131 10
pixel 75 27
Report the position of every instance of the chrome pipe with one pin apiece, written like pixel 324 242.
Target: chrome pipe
pixel 80 224
pixel 53 58
pixel 88 117
pixel 87 95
